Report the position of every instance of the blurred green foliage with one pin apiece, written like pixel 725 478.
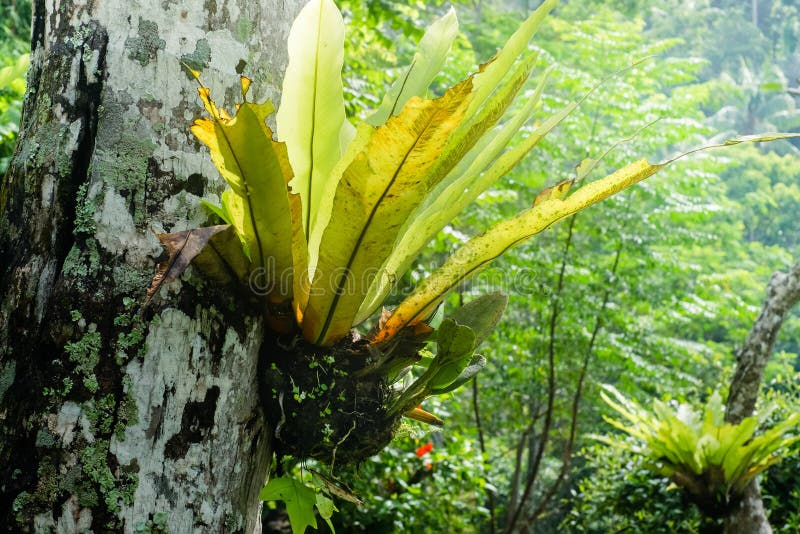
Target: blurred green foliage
pixel 409 490
pixel 15 20
pixel 617 493
pixel 781 486
pixel 713 460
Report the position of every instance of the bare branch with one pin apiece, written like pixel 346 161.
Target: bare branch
pixel 551 384
pixel 476 409
pixel 783 292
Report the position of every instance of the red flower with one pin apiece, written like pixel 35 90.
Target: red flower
pixel 425 449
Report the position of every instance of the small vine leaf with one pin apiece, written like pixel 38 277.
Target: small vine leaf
pixel 455 343
pixel 477 363
pixel 447 374
pixel 219 211
pixel 326 509
pixel 453 340
pixel 299 499
pixel 182 248
pixel 228 204
pixel 481 314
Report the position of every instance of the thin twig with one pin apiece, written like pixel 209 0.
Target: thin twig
pixel 514 495
pixel 551 382
pixel 482 442
pixel 573 430
pixel 336 447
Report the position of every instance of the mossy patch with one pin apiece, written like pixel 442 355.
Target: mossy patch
pixel 85 353
pixel 20 505
pixel 55 148
pixel 58 393
pixel 73 268
pixel 114 490
pixel 101 413
pixel 95 479
pixel 8 371
pixel 318 405
pixel 127 415
pixel 145 47
pixel 46 439
pixel 44 106
pixel 244 27
pixel 47 487
pixel 126 169
pixel 84 212
pixel 199 59
pixel 82 265
pixel 156 524
pixel 131 331
pixel 129 280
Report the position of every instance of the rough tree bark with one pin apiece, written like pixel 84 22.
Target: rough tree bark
pixel 783 292
pixel 110 420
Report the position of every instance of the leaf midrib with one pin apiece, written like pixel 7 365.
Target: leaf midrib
pixel 246 190
pixel 362 234
pixel 313 119
pixel 402 88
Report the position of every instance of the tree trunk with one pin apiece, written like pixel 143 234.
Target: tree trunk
pixel 112 419
pixel 783 292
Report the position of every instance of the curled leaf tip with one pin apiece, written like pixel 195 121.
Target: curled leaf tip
pixel 246 83
pixel 556 192
pixel 194 73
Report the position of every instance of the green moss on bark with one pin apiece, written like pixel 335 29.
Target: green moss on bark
pixel 200 58
pixel 85 353
pixel 114 490
pixel 84 213
pixel 145 47
pixel 8 370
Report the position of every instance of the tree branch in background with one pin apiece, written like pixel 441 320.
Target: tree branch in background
pixel 551 385
pixel 576 400
pixel 482 442
pixel 783 292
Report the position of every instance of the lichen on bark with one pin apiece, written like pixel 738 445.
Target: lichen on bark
pixel 101 405
pixel 783 293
